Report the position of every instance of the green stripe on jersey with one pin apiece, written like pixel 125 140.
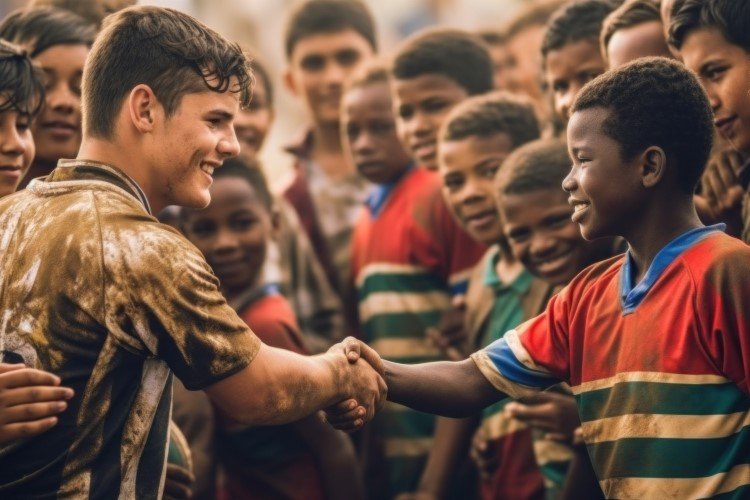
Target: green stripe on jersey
pixel 628 398
pixel 400 325
pixel 669 458
pixel 401 283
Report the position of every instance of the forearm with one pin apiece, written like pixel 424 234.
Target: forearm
pixel 452 389
pixel 451 445
pixel 280 387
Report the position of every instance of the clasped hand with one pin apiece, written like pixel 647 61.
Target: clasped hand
pixel 365 386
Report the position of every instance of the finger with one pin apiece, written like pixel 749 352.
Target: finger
pixel 708 189
pixel 434 336
pixel 717 183
pixel 176 490
pixel 33 411
pixel 20 430
pixel 7 367
pixel 34 394
pixel 350 426
pixel 725 170
pixel 28 376
pixel 734 161
pixel 352 415
pixel 341 408
pixel 351 349
pixel 372 357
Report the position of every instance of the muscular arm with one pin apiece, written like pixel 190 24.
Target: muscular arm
pixel 452 389
pixel 280 386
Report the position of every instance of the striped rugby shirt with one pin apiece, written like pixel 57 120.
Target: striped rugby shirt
pixel 660 370
pixel 94 289
pixel 407 261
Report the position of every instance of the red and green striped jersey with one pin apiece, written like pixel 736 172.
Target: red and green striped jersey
pixel 407 261
pixel 661 369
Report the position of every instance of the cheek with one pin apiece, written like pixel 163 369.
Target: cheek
pixel 29 151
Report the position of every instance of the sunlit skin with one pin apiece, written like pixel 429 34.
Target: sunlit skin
pixel 232 233
pixel 57 130
pixel 641 40
pixel 468 168
pixel 318 68
pixel 421 105
pixel 723 69
pixel 369 131
pixel 524 74
pixel 251 124
pixel 570 67
pixel 16 148
pixel 543 237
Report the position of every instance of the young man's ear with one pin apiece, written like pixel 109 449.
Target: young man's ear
pixel 289 82
pixel 653 166
pixel 144 108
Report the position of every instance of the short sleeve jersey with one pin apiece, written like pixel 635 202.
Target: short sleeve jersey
pixel 94 289
pixel 660 370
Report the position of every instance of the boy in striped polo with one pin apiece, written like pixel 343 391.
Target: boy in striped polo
pixel 655 343
pixel 408 256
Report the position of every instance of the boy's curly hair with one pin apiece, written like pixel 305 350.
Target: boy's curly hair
pixel 655 101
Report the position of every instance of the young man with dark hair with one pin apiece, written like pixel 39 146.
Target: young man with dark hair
pixel 326 41
pixel 713 39
pixel 570 50
pixel 58 41
pixel 652 342
pixel 111 301
pixel 497 46
pixel 632 31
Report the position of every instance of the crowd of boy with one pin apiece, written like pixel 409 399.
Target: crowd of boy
pixel 538 233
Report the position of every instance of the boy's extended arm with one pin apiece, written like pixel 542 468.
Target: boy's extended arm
pixel 449 388
pixel 279 386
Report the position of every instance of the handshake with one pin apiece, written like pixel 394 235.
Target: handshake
pixel 361 380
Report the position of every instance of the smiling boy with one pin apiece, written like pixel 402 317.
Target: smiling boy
pixel 96 291
pixel 652 342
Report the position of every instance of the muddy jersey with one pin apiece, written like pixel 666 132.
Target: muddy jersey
pixel 96 290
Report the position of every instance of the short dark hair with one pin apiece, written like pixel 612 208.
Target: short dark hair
pixel 538 165
pixel 21 88
pixel 372 73
pixel 655 101
pixel 250 171
pixel 488 115
pixel 731 17
pixel 313 17
pixel 167 50
pixel 40 28
pixel 455 54
pixel 534 13
pixel 576 21
pixel 629 14
pixel 94 11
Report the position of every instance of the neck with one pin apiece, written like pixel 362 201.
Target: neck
pixel 327 150
pixel 658 228
pixel 105 151
pixel 508 268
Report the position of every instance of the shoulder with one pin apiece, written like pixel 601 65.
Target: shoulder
pixel 719 262
pixel 595 278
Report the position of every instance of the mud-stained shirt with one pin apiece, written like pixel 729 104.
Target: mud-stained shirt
pixel 96 290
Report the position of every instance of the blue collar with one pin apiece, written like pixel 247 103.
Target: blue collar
pixel 631 295
pixel 376 201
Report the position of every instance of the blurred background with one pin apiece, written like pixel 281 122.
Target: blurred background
pixel 259 24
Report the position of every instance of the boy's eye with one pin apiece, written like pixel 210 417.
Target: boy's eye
pixel 352 131
pixel 203 229
pixel 518 235
pixel 558 221
pixel 313 63
pixel 453 182
pixel 242 223
pixel 560 87
pixel 405 112
pixel 489 171
pixel 434 105
pixel 347 57
pixel 715 72
pixel 382 127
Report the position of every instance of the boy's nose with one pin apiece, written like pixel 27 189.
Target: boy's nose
pixel 569 184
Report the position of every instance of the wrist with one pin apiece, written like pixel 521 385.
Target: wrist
pixel 338 368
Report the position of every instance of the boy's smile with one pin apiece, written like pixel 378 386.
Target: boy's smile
pixel 603 189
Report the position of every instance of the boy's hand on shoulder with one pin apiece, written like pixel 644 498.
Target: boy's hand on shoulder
pixel 178 482
pixel 29 401
pixel 722 194
pixel 554 413
pixel 365 386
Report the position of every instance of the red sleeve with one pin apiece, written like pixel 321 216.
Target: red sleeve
pixel 271 318
pixel 724 315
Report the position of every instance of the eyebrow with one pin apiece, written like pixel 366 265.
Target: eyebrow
pixel 226 115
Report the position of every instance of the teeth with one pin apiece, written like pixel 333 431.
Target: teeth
pixel 579 207
pixel 208 169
